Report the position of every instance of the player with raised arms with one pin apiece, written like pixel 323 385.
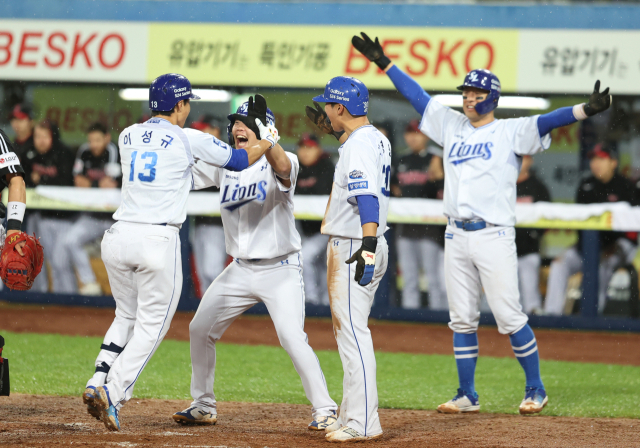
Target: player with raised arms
pixel 257 215
pixel 141 251
pixel 355 220
pixel 482 158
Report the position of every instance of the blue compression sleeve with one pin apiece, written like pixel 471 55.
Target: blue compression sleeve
pixel 410 89
pixel 369 209
pixel 239 160
pixel 556 119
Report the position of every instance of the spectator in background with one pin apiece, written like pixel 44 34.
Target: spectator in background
pixel 419 174
pixel 529 189
pixel 209 246
pixel 604 184
pixel 21 119
pixel 49 162
pixel 97 165
pixel 314 178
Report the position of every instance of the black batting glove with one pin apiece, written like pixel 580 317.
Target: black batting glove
pixel 319 117
pixel 598 102
pixel 371 50
pixel 365 259
pixel 257 109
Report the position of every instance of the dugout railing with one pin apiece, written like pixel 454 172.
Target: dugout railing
pixel 589 219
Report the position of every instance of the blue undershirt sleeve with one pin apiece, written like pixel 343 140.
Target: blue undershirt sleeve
pixel 239 160
pixel 369 209
pixel 556 119
pixel 409 88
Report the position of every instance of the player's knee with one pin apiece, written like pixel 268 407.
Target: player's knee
pixel 291 339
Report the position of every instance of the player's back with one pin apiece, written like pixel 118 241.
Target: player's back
pixel 156 173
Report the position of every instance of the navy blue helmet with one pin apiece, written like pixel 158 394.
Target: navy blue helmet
pixel 167 90
pixel 485 80
pixel 242 115
pixel 350 92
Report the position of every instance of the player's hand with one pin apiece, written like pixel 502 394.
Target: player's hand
pixel 598 102
pixel 365 259
pixel 20 245
pixel 319 117
pixel 371 50
pixel 257 108
pixel 269 133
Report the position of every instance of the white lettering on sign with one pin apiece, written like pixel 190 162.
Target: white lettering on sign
pixel 73 51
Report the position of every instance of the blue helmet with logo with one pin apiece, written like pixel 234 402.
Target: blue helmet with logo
pixel 485 80
pixel 167 90
pixel 350 92
pixel 242 114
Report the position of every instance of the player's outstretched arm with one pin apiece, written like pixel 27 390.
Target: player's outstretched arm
pixel 409 88
pixel 280 163
pixel 598 102
pixel 16 206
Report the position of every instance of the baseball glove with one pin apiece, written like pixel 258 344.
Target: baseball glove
pixel 319 117
pixel 19 271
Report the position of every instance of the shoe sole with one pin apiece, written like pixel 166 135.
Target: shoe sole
pixel 534 411
pixel 442 409
pixel 101 402
pixel 355 439
pixel 187 421
pixel 87 398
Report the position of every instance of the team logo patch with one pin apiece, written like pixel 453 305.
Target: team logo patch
pixel 362 185
pixel 357 174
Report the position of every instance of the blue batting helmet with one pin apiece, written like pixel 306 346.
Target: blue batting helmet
pixel 166 90
pixel 485 80
pixel 241 114
pixel 350 92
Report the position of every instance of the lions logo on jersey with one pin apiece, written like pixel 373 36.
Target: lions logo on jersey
pixel 460 153
pixel 238 195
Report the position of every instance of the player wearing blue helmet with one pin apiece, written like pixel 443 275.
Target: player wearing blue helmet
pixel 482 159
pixel 355 220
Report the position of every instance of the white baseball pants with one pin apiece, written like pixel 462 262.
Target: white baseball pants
pixel 145 273
pixel 70 253
pixel 482 259
pixel 416 255
pixel 529 280
pixel 276 282
pixel 210 253
pixel 314 253
pixel 350 308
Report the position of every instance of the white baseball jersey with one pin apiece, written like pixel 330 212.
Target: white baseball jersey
pixel 364 168
pixel 156 158
pixel 256 208
pixel 481 165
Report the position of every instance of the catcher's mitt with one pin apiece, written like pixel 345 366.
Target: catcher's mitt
pixel 19 271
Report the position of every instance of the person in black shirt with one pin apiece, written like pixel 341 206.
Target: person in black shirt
pixel 314 178
pixel 529 189
pixel 48 163
pixel 604 184
pixel 419 174
pixel 209 248
pixel 97 165
pixel 21 119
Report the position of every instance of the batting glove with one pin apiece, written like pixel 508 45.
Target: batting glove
pixel 371 50
pixel 269 133
pixel 365 259
pixel 598 102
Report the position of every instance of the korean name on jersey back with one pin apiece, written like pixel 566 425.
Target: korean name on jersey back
pixel 234 197
pixel 460 153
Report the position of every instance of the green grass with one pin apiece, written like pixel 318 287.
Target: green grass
pixel 60 365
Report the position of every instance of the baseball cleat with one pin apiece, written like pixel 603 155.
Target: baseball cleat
pixel 88 396
pixel 323 422
pixel 535 399
pixel 333 427
pixel 108 412
pixel 195 416
pixel 347 434
pixel 463 402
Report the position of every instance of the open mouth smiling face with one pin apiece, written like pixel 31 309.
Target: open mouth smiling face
pixel 242 134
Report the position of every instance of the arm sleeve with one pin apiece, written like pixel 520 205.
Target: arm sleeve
pixel 362 175
pixel 556 119
pixel 208 149
pixel 526 137
pixel 204 175
pixel 369 209
pixel 409 88
pixel 293 175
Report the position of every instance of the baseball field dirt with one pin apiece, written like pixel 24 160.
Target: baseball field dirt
pixel 30 420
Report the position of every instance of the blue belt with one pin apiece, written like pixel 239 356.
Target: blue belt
pixel 469 226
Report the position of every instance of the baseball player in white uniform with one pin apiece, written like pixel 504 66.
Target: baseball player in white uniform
pixel 141 251
pixel 257 215
pixel 356 219
pixel 482 159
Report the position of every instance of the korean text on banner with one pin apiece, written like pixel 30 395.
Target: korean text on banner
pixel 308 56
pixel 42 50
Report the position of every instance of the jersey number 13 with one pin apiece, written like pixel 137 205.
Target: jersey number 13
pixel 148 173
